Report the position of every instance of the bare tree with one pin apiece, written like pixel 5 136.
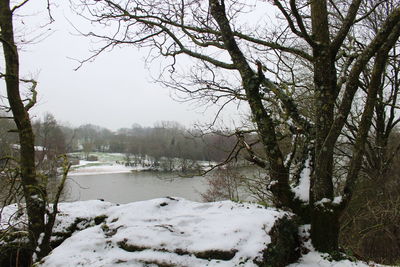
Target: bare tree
pixel 231 59
pixel 33 189
pixel 33 186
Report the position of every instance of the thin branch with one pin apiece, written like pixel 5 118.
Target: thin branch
pixel 252 156
pixel 32 100
pixel 18 6
pixel 300 23
pixel 293 28
pixel 346 25
pixel 49 12
pixel 273 45
pixel 370 11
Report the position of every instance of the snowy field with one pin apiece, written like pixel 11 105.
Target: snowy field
pixel 107 163
pixel 99 167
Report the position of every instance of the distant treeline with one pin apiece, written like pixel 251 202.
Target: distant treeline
pixel 164 139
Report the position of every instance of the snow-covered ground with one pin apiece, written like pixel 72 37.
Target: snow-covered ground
pixel 98 167
pixel 168 232
pixel 107 163
pixel 315 259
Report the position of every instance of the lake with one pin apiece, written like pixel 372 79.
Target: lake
pixel 129 187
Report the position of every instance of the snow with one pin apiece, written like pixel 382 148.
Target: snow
pixel 37 148
pixel 302 190
pixel 169 231
pixel 315 259
pixel 164 230
pixel 69 211
pixel 322 202
pixel 337 200
pixel 85 168
pixel 8 217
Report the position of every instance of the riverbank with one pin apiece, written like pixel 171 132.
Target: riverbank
pixel 98 167
pixel 108 163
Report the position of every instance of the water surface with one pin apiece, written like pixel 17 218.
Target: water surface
pixel 128 187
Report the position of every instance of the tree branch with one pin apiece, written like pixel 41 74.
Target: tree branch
pixel 374 86
pixel 346 25
pixel 18 6
pixel 391 23
pixel 32 100
pixel 292 27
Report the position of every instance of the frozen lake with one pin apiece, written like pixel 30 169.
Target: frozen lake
pixel 129 187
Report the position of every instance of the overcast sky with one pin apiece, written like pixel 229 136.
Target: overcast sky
pixel 114 91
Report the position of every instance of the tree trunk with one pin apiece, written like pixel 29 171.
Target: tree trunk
pixel 251 81
pixel 34 193
pixel 324 223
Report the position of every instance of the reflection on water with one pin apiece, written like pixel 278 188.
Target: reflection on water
pixel 128 187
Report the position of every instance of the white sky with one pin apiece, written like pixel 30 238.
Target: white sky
pixel 114 91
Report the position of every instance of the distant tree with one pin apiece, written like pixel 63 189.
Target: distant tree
pixel 50 136
pixel 219 145
pixel 87 136
pixel 102 141
pixel 87 148
pixel 71 142
pixel 7 137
